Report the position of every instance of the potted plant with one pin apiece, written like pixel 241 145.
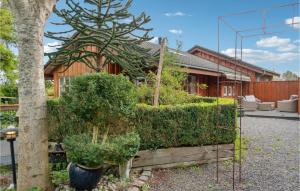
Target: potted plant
pixel 104 104
pixel 89 160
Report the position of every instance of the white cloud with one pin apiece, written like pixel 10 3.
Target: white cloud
pixel 282 44
pixel 51 46
pixel 178 13
pixel 273 41
pixel 256 56
pixel 154 40
pixel 293 23
pixel 287 48
pixel 176 31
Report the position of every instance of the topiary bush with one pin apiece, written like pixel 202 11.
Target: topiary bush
pixel 185 125
pixel 81 150
pixel 62 122
pixel 103 102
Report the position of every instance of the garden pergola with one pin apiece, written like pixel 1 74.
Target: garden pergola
pixel 240 35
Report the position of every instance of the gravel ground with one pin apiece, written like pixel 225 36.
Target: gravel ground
pixel 271 162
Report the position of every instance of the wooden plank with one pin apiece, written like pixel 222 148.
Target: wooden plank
pixel 180 154
pixel 181 164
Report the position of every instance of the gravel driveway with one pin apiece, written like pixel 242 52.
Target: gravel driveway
pixel 271 162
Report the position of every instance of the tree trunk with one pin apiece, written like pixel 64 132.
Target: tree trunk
pixel 30 17
pixel 158 75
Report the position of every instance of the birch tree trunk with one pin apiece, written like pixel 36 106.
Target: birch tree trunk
pixel 30 17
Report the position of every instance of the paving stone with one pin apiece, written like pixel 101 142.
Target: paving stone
pixel 144 178
pixel 138 183
pixel 147 168
pixel 134 188
pixel 146 173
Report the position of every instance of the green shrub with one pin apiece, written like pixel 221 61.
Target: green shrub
pixel 124 147
pixel 62 122
pixel 59 177
pixel 9 89
pixel 81 150
pixel 102 101
pixel 8 118
pixel 185 125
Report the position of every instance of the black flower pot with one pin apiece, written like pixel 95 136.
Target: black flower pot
pixel 82 178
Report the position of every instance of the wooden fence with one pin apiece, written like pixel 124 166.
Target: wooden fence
pixel 276 90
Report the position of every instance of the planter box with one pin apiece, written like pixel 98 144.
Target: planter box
pixel 171 157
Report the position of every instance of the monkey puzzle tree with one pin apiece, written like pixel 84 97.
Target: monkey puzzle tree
pixel 102 32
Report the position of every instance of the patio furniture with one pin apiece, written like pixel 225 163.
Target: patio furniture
pixel 266 106
pixel 250 103
pixel 289 105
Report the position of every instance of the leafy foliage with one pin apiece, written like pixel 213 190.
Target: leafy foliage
pixel 107 27
pixel 8 118
pixel 172 79
pixel 59 177
pixel 8 64
pixel 8 61
pixel 185 125
pixel 124 147
pixel 9 89
pixel 81 150
pixel 101 100
pixel 6 25
pixel 288 75
pixel 62 122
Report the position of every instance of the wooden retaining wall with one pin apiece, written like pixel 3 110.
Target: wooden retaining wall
pixel 171 157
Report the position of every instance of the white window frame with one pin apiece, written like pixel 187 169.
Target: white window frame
pixel 225 92
pixel 61 87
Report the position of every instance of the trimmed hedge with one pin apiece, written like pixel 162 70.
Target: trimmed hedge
pixel 185 125
pixel 8 118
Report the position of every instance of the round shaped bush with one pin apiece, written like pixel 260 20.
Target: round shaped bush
pixel 101 100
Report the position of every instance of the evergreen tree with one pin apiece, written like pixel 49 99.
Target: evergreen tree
pixel 102 32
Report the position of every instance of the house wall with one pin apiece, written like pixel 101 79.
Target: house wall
pixel 77 69
pixel 212 89
pixel 231 64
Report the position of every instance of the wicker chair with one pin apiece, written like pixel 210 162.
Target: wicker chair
pixel 289 105
pixel 250 102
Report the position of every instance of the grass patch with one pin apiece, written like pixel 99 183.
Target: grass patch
pixel 243 145
pixel 5 169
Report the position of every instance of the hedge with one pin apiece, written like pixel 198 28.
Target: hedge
pixel 8 118
pixel 185 125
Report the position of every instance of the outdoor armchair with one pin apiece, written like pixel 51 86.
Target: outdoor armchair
pixel 289 105
pixel 249 103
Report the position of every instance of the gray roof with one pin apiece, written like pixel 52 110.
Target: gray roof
pixel 254 67
pixel 189 60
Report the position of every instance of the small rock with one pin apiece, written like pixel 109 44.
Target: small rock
pixel 134 188
pixel 144 178
pixel 146 173
pixel 138 183
pixel 4 180
pixel 147 169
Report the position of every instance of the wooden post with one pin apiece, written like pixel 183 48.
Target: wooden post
pixel 158 75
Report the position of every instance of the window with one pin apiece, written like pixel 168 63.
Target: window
pixel 64 81
pixel 225 91
pixel 229 91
